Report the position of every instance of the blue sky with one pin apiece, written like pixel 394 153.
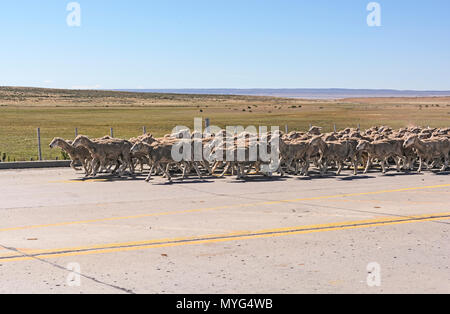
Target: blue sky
pixel 226 44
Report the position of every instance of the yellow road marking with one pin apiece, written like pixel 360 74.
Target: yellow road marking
pixel 219 208
pixel 246 235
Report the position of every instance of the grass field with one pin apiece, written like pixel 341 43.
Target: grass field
pixel 59 112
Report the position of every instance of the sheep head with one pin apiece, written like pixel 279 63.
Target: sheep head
pixel 411 141
pixel 81 140
pixel 139 147
pixel 56 142
pixel 315 130
pixel 362 145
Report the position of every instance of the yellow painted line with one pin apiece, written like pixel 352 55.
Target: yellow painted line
pixel 59 224
pixel 235 236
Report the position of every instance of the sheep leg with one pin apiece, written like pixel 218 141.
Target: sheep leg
pixel 296 167
pixel 281 170
pixel 368 165
pixel 90 168
pixel 412 162
pixel 130 165
pixel 305 170
pixel 397 162
pixel 302 167
pixel 149 177
pixel 404 162
pixel 324 169
pixel 420 164
pixel 117 165
pixel 355 167
pixel 72 165
pixel 207 167
pixel 289 167
pixel 383 166
pixel 166 171
pixel 155 166
pixel 239 172
pixel 85 167
pixel 316 162
pixel 152 168
pixel 122 169
pixel 215 166
pixel 341 165
pixel 386 163
pixel 445 166
pixel 197 170
pixel 184 171
pixel 227 167
pixel 188 167
pixel 95 164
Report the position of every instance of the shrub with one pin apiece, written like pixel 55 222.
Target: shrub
pixel 64 155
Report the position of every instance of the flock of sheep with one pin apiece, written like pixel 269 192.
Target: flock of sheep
pixel 408 149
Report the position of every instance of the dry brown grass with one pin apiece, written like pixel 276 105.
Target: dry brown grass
pixel 59 112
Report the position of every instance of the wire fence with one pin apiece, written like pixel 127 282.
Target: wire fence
pixel 34 146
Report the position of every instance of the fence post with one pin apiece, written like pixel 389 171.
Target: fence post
pixel 335 128
pixel 144 129
pixel 76 132
pixel 207 125
pixel 112 132
pixel 286 127
pixel 39 143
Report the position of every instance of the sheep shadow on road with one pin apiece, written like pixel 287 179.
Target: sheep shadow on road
pixel 257 179
pixel 111 178
pixel 178 181
pixel 441 173
pixel 356 177
pixel 398 174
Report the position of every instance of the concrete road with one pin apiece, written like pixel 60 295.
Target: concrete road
pixel 62 234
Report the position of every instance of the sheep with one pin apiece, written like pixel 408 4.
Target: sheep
pixel 141 158
pixel 297 151
pixel 161 155
pixel 293 152
pixel 429 150
pixel 315 130
pixel 107 150
pixel 337 151
pixel 381 150
pixel 76 154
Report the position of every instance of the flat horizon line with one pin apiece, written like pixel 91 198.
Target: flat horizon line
pixel 297 93
pixel 238 88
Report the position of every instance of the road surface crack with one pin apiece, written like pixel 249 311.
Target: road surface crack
pixel 128 291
